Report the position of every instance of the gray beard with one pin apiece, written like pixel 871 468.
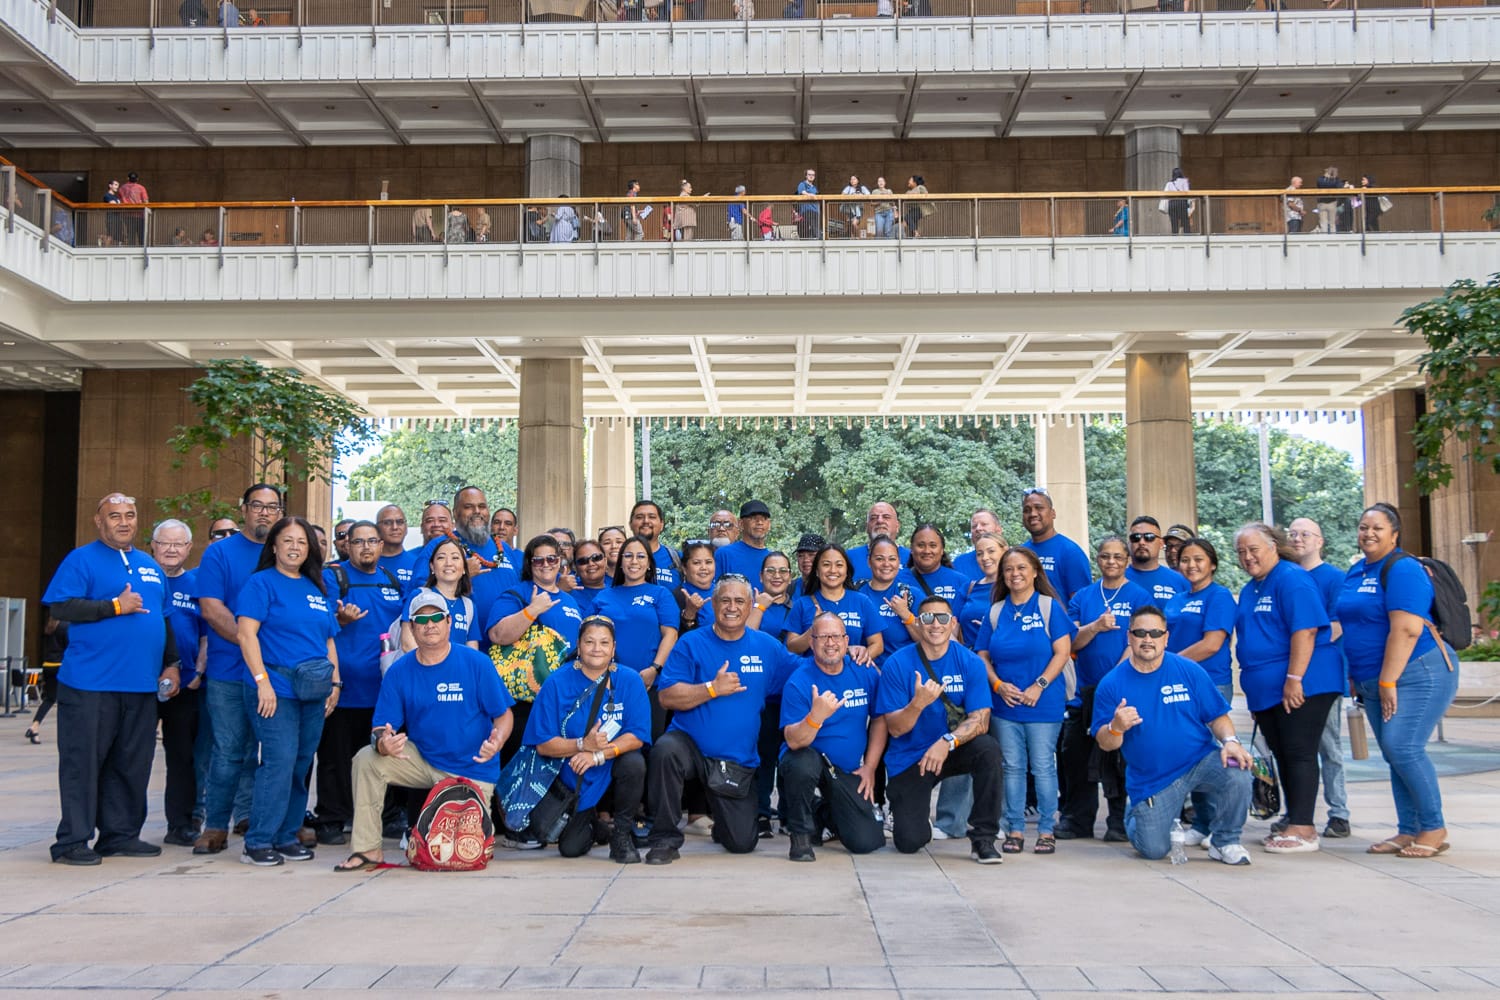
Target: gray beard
pixel 476 537
pixel 260 531
pixel 720 542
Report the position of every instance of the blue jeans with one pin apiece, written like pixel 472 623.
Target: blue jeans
pixel 1423 693
pixel 288 740
pixel 955 797
pixel 1033 746
pixel 233 760
pixel 885 224
pixel 1331 761
pixel 1225 797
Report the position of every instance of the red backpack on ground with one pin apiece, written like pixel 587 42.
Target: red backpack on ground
pixel 454 832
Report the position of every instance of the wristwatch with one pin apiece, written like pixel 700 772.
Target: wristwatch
pixel 952 741
pixel 1231 738
pixel 1042 681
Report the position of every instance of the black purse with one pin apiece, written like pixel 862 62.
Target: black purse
pixel 955 714
pixel 728 779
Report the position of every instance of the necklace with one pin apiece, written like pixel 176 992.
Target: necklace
pixel 1109 598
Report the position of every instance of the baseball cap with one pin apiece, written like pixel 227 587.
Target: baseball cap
pixel 754 507
pixel 1181 532
pixel 810 543
pixel 425 598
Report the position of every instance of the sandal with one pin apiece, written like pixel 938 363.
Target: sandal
pixel 1045 844
pixel 1389 846
pixel 1013 844
pixel 1416 850
pixel 365 863
pixel 34 736
pixel 1292 844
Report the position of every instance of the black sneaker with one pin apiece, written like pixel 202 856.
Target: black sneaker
pixel 82 856
pixel 801 849
pixel 662 855
pixel 332 834
pixel 295 852
pixel 262 857
pixel 763 828
pixel 180 837
pixel 984 852
pixel 394 831
pixel 1115 836
pixel 129 849
pixel 1064 832
pixel 1336 828
pixel 622 847
pixel 604 832
pixel 513 841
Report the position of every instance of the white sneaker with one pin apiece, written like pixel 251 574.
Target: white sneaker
pixel 1230 854
pixel 938 834
pixel 1193 838
pixel 700 827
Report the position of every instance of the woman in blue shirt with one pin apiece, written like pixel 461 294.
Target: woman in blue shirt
pixel 894 594
pixel 826 590
pixel 1025 641
pixel 1396 662
pixel 286 626
pixel 448 574
pixel 931 568
pixel 593 579
pixel 695 595
pixel 773 599
pixel 601 753
pixel 1199 621
pixel 643 613
pixel 1289 670
pixel 975 605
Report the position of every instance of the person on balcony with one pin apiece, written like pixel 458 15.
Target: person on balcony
pixel 192 13
pixel 809 225
pixel 1179 209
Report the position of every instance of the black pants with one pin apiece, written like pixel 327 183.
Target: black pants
pixel 345 732
pixel 811 226
pixel 1182 219
pixel 106 741
pixel 1293 738
pixel 1294 225
pixel 910 793
pixel 769 746
pixel 49 694
pixel 677 766
pixel 844 811
pixel 519 713
pixel 627 785
pixel 179 733
pixel 1080 790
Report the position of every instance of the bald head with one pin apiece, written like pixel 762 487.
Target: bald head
pixel 1307 541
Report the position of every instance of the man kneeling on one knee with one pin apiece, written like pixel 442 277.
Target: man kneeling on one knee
pixel 833 743
pixel 456 714
pixel 1163 713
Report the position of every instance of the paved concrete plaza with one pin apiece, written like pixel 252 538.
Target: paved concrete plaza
pixel 1094 920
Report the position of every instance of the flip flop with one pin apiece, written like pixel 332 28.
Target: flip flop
pixel 1013 844
pixel 1416 850
pixel 365 863
pixel 1391 846
pixel 1291 844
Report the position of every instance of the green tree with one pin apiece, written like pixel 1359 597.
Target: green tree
pixel 414 466
pixel 296 431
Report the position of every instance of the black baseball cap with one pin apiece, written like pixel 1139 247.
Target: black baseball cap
pixel 754 507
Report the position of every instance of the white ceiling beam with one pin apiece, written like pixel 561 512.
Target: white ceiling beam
pixel 595 353
pixel 705 375
pixel 893 386
pixel 1000 367
pixel 1104 362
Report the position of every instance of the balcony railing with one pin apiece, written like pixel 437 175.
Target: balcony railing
pixel 447 14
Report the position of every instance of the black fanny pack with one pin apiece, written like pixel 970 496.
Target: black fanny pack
pixel 312 680
pixel 731 780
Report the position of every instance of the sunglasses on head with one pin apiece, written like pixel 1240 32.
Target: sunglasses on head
pixel 1148 633
pixel 431 619
pixel 438 503
pixel 1144 536
pixel 1035 491
pixel 931 617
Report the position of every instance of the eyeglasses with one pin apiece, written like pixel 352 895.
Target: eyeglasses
pixel 431 619
pixel 1035 491
pixel 172 545
pixel 776 571
pixel 362 542
pixel 222 532
pixel 545 560
pixel 393 522
pixel 598 620
pixel 1144 536
pixel 1148 633
pixel 589 560
pixel 697 541
pixel 255 506
pixel 1299 534
pixel 720 524
pixel 934 617
pixel 836 637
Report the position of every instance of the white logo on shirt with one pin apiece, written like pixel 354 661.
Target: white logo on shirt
pixel 643 601
pixel 750 663
pixel 450 691
pixel 1031 621
pixel 317 603
pixel 855 698
pixel 1172 693
pixel 148 574
pixel 1264 605
pixel 1369 585
pixel 1194 607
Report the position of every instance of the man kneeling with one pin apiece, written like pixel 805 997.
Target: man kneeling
pixel 1164 713
pixel 457 717
pixel 833 743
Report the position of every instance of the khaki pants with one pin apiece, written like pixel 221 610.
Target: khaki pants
pixel 374 772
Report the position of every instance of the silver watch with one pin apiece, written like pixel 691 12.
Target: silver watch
pixel 1231 738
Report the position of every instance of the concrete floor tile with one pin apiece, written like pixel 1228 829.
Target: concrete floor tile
pixel 316 936
pixel 860 977
pixel 98 975
pixel 535 977
pixel 1251 979
pixel 39 974
pixel 1373 977
pixel 1314 977
pixel 957 977
pixel 346 977
pixel 481 977
pixel 667 977
pixel 413 977
pixel 686 937
pixel 612 977
pixel 1054 977
pixel 119 938
pixel 1117 978
pixel 1489 974
pixel 1444 979
pixel 164 976
pixel 223 977
pixel 290 976
pixel 733 977
pixel 1181 978
pixel 797 977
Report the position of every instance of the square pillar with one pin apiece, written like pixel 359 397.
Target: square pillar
pixel 1151 152
pixel 1060 471
pixel 549 457
pixel 553 165
pixel 1468 507
pixel 1160 477
pixel 611 474
pixel 1390 458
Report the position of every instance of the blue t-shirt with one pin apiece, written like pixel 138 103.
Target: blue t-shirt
pixel 639 611
pixel 1065 563
pixel 1176 702
pixel 296 622
pixel 562 618
pixel 856 610
pixel 1269 611
pixel 121 652
pixel 401 565
pixel 859 561
pixel 625 702
pixel 187 622
pixel 967 563
pixel 892 631
pixel 1105 649
pixel 738 557
pixel 588 597
pixel 1020 647
pixel 1163 583
pixel 963 677
pixel 973 609
pixel 358 643
pixel 846 732
pixel 773 619
pixel 945 582
pixel 1364 607
pixel 222 573
pixel 1195 613
pixel 448 709
pixel 728 726
pixel 1330 583
pixel 486 589
pixel 705 615
pixel 420 564
pixel 666 572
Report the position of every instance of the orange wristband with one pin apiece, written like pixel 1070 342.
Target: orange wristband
pixel 814 725
pixel 528 615
pixel 1388 684
pixel 1115 731
pixel 116 603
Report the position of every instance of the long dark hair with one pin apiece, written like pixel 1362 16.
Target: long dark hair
pixel 539 542
pixel 1001 592
pixel 312 563
pixel 619 577
pixel 812 585
pixel 465 587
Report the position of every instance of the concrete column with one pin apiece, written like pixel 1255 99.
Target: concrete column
pixel 1160 477
pixel 1151 152
pixel 1390 460
pixel 552 166
pixel 611 474
pixel 1059 470
pixel 1468 507
pixel 549 456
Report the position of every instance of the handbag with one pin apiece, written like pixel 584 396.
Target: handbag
pixel 728 779
pixel 1161 206
pixel 528 779
pixel 524 664
pixel 312 680
pixel 1385 203
pixel 1265 788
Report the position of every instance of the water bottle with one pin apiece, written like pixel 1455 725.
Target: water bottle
pixel 1179 843
pixel 164 689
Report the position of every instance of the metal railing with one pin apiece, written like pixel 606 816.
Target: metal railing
pixel 448 14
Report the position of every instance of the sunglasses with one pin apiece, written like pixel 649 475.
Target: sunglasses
pixel 931 617
pixel 1144 536
pixel 222 532
pixel 431 619
pixel 545 560
pixel 1035 491
pixel 589 560
pixel 339 536
pixel 1148 633
pixel 437 503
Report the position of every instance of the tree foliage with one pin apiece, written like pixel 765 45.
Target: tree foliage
pixel 414 466
pixel 295 431
pixel 1462 364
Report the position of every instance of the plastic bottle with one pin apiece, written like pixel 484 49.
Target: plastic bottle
pixel 1179 843
pixel 164 689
